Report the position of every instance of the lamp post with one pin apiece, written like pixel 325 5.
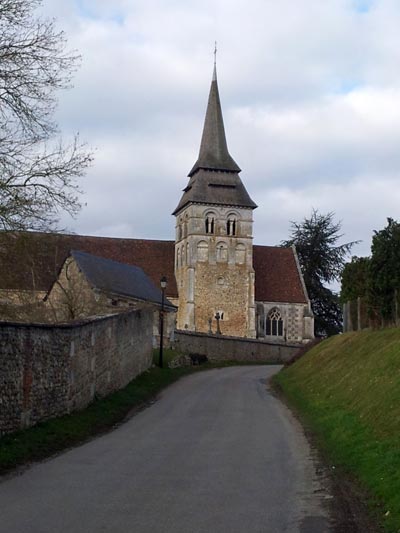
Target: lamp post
pixel 163 283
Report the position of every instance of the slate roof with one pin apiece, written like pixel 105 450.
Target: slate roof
pixel 214 154
pixel 214 178
pixel 216 188
pixel 33 260
pixel 116 278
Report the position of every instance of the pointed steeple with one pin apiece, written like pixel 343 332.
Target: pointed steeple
pixel 214 153
pixel 214 179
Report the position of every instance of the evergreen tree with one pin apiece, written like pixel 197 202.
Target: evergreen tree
pixel 384 270
pixel 321 260
pixel 355 279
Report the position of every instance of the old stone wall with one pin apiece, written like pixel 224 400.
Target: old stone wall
pixel 50 370
pixel 223 348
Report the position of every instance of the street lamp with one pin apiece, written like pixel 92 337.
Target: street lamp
pixel 163 283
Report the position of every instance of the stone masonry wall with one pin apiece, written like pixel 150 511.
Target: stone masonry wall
pixel 214 269
pixel 222 348
pixel 51 370
pixel 228 293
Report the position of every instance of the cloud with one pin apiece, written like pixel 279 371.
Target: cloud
pixel 310 94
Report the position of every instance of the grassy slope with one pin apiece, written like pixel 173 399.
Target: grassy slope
pixel 347 388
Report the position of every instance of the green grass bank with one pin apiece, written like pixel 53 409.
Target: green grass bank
pixel 347 391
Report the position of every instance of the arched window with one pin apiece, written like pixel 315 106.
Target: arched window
pixel 202 251
pixel 231 226
pixel 274 324
pixel 210 223
pixel 187 254
pixel 222 252
pixel 178 258
pixel 182 255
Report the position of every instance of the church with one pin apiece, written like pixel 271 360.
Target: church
pixel 215 273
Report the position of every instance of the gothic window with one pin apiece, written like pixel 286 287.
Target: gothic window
pixel 231 226
pixel 240 254
pixel 187 254
pixel 274 323
pixel 202 251
pixel 182 255
pixel 210 222
pixel 222 252
pixel 178 258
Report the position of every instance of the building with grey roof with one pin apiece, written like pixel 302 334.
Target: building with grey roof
pixel 91 285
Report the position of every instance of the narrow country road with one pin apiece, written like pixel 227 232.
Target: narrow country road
pixel 217 453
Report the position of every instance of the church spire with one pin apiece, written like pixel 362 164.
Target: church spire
pixel 214 179
pixel 214 153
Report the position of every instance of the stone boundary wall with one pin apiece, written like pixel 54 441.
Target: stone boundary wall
pixel 222 348
pixel 50 370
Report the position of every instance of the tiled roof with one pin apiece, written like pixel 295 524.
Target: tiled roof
pixel 117 278
pixel 277 276
pixel 32 261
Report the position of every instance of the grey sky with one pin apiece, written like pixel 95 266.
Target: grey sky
pixel 310 93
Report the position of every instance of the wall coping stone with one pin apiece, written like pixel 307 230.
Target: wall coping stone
pixel 67 325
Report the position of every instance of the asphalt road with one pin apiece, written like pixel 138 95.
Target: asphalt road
pixel 216 453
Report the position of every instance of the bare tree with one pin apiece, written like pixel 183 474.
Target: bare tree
pixel 38 173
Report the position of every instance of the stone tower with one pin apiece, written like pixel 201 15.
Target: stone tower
pixel 213 243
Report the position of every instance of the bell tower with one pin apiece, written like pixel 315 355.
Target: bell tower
pixel 214 234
